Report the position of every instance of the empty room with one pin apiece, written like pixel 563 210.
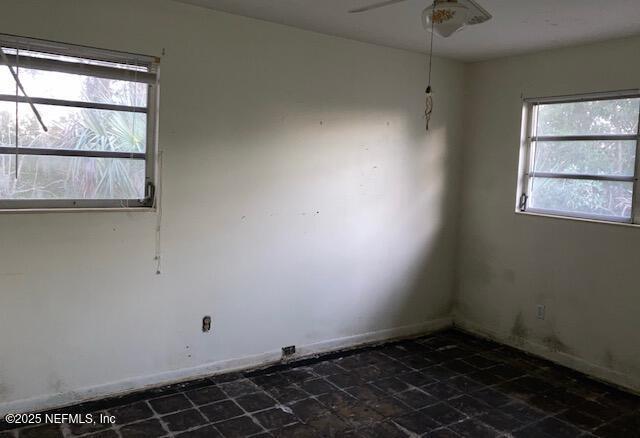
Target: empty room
pixel 319 218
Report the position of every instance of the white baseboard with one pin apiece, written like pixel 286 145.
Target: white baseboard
pixel 122 387
pixel 375 337
pixel 608 375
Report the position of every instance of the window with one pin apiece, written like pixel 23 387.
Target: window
pixel 580 157
pixel 77 126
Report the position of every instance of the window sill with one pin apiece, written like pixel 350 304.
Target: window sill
pixel 79 210
pixel 578 219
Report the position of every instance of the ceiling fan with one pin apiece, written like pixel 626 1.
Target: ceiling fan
pixel 443 17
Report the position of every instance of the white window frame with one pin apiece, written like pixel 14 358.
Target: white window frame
pixel 527 154
pixel 151 77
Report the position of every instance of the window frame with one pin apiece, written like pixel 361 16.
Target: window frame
pixel 151 77
pixel 527 158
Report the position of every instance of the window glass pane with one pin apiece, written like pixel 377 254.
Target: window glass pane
pixel 51 177
pixel 586 157
pixel 66 86
pixel 7 124
pixel 74 128
pixel 605 198
pixel 603 117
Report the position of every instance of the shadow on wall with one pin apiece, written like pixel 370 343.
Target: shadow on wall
pixel 350 219
pixel 420 289
pixel 395 253
pixel 340 204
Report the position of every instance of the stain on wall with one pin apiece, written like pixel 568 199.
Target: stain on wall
pixel 55 384
pixel 585 273
pixel 609 360
pixel 519 331
pixel 553 343
pixel 4 390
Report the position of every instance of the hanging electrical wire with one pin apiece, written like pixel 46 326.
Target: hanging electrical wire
pixel 428 109
pixel 157 203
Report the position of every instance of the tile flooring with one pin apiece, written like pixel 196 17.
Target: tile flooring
pixel 448 384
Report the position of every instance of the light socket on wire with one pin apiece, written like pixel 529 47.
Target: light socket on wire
pixel 206 324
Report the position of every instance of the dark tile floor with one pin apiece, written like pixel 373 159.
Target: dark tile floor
pixel 445 385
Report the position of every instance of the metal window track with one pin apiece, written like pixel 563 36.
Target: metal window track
pixel 76 68
pixel 588 97
pixel 581 176
pixel 574 214
pixel 540 138
pixel 12 150
pixel 73 103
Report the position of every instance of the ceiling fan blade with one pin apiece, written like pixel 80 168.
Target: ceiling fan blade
pixel 375 6
pixel 478 13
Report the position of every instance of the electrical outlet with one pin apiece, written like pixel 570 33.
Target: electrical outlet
pixel 288 351
pixel 541 311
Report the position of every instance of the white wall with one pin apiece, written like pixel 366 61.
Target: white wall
pixel 303 204
pixel 586 274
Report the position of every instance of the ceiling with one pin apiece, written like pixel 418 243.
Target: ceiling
pixel 518 26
